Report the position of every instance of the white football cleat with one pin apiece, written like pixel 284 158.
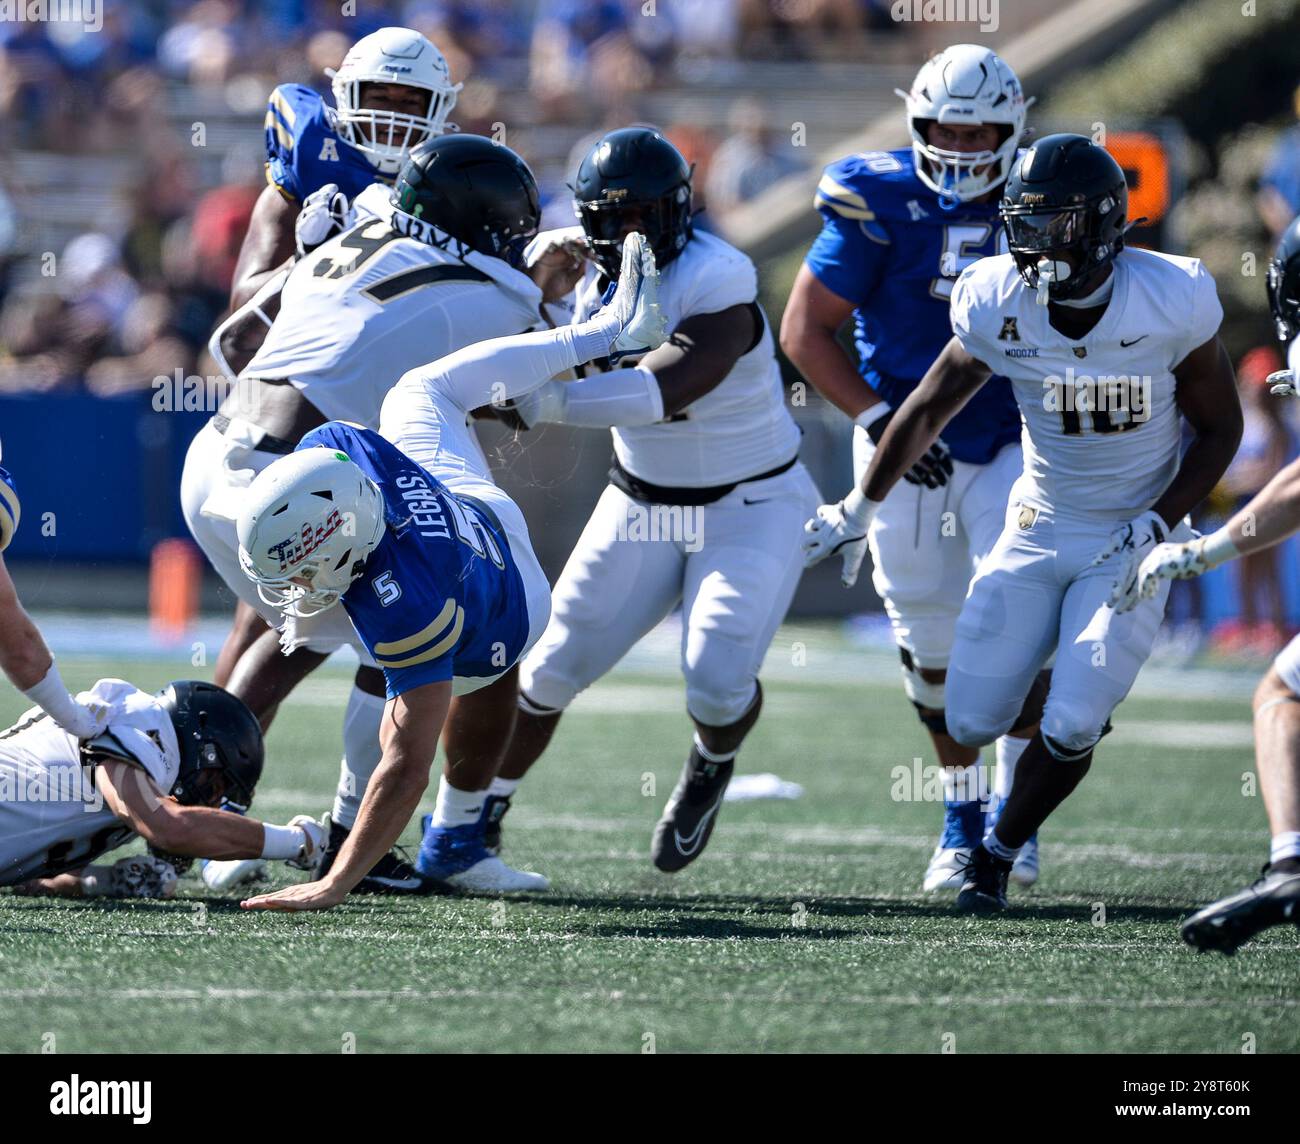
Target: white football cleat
pixel 492 876
pixel 947 869
pixel 226 875
pixel 635 302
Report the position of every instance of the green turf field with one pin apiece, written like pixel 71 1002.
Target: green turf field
pixel 801 928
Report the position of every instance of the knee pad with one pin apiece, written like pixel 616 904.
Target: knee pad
pixel 716 703
pixel 529 706
pixel 1035 701
pixel 543 692
pixel 1070 733
pixel 974 728
pixel 920 691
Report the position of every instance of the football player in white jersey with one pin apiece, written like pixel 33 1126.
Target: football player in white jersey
pixel 1269 518
pixel 899 227
pixel 706 496
pixel 157 770
pixel 422 275
pixel 1104 347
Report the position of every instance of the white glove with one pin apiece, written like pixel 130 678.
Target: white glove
pixel 140 876
pixel 1181 562
pixel 314 837
pixel 635 304
pixel 84 720
pixel 840 528
pixel 1128 544
pixel 225 875
pixel 571 239
pixel 325 213
pixel 1282 383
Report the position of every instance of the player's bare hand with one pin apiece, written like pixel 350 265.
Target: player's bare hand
pixel 305 896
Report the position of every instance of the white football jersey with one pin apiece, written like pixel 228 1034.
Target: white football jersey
pixel 52 816
pixel 368 305
pixel 739 429
pixel 1101 430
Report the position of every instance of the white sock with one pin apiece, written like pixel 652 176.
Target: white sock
pixel 361 753
pixel 964 784
pixel 998 849
pixel 503 788
pixel 1009 751
pixel 457 807
pixel 1285 845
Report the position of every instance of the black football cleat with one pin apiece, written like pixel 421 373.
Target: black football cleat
pixel 494 810
pixel 985 889
pixel 688 819
pixel 1225 925
pixel 392 874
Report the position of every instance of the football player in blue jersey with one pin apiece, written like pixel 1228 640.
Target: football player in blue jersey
pixel 433 565
pixel 392 92
pixel 899 227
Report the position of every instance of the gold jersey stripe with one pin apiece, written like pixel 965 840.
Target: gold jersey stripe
pixel 843 201
pixel 282 106
pixel 281 132
pixel 442 646
pixel 423 636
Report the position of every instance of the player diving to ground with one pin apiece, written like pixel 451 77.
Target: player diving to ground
pixel 157 770
pixel 1269 518
pixel 432 564
pixel 432 268
pixel 702 437
pixel 392 92
pixel 1100 387
pixel 899 227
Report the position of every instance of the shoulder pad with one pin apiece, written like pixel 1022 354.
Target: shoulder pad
pixel 868 185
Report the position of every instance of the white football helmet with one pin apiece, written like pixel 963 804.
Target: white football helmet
pixel 965 84
pixel 391 55
pixel 311 521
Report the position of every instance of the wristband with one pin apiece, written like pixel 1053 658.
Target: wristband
pixel 282 842
pixel 1218 548
pixel 51 694
pixel 858 509
pixel 873 413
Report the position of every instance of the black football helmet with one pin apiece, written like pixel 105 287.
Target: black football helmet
pixel 477 192
pixel 636 172
pixel 1065 206
pixel 220 743
pixel 1284 283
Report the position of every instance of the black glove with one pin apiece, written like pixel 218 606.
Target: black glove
pixel 932 470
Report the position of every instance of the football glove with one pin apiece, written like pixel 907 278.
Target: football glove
pixel 935 465
pixel 1128 545
pixel 314 837
pixel 1182 562
pixel 140 876
pixel 635 304
pixel 325 213
pixel 840 528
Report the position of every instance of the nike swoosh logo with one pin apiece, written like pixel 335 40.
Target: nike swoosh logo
pixel 1134 342
pixel 691 843
pixel 764 500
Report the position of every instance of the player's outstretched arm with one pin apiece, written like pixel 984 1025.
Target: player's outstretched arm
pixel 31 668
pixel 409 737
pixel 841 529
pixel 1207 397
pixel 198 831
pixel 953 379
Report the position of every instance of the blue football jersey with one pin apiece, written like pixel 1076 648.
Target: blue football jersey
pixel 887 246
pixel 441 595
pixel 304 152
